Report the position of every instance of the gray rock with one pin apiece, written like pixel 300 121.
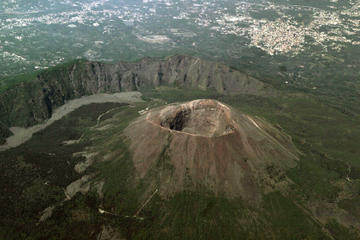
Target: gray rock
pixel 34 101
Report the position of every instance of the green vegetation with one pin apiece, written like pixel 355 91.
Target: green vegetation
pixel 26 100
pixel 340 232
pixel 12 81
pixel 351 205
pixel 74 220
pixel 33 175
pixel 288 221
pixel 201 215
pixel 325 135
pixel 192 215
pixel 318 105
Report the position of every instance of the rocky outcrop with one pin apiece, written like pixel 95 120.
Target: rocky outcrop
pixel 176 71
pixel 33 101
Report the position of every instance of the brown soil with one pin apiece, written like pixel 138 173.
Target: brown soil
pixel 206 118
pixel 205 143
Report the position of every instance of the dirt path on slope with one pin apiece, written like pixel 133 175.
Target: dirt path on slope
pixel 21 135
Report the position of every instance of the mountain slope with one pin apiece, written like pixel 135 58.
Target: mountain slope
pixel 33 101
pixel 206 144
pixel 316 199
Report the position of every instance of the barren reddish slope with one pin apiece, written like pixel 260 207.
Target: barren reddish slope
pixel 205 143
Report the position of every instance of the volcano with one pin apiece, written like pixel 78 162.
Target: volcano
pixel 204 144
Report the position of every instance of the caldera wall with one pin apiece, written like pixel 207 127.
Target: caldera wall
pixel 34 101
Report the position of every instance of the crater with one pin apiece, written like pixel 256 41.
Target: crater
pixel 204 117
pixel 210 145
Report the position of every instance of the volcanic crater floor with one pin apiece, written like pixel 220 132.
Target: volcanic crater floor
pixel 204 117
